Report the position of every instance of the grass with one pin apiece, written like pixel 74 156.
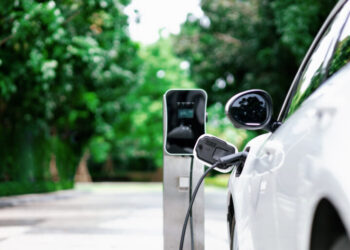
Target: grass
pixel 18 188
pixel 220 180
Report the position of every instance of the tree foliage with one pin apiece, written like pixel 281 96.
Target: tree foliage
pixel 161 71
pixel 66 68
pixel 240 45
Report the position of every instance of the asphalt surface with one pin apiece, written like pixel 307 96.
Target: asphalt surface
pixel 100 216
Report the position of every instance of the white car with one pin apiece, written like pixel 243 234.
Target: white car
pixel 293 191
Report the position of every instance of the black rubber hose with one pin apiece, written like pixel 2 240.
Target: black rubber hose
pixel 190 198
pixel 223 163
pixel 191 204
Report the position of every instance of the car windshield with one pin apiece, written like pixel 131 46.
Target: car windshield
pixel 314 70
pixel 313 73
pixel 342 52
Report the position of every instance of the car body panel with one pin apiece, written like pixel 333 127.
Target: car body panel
pixel 289 171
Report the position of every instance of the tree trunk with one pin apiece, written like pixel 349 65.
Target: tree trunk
pixel 108 167
pixel 53 169
pixel 82 174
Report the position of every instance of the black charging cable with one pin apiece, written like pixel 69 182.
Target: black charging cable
pixel 223 163
pixel 190 198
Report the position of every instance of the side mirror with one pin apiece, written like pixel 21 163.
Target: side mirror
pixel 209 149
pixel 251 110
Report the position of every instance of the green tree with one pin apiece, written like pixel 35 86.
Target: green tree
pixel 161 71
pixel 66 68
pixel 240 45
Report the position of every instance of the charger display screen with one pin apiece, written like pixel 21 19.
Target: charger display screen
pixel 185 113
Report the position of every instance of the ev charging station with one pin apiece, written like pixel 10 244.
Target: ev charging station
pixel 184 118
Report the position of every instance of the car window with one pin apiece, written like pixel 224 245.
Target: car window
pixel 314 72
pixel 341 56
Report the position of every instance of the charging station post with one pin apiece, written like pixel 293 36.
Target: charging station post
pixel 184 117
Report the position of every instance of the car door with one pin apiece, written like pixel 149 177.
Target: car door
pixel 280 161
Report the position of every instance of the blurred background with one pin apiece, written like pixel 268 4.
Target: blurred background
pixel 81 81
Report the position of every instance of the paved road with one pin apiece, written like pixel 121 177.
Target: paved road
pixel 99 216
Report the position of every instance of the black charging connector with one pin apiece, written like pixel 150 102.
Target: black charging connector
pixel 222 163
pixel 228 160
